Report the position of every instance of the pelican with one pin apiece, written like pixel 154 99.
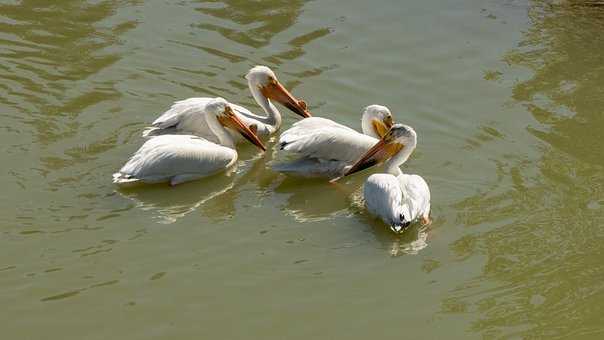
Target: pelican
pixel 326 147
pixel 186 116
pixel 397 198
pixel 181 158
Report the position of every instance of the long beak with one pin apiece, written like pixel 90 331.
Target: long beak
pixel 231 120
pixel 279 93
pixel 381 151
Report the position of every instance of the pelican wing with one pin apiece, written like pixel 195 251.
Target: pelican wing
pixel 324 139
pixel 319 122
pixel 183 114
pixel 416 195
pixel 166 157
pixel 187 117
pixel 384 198
pixel 398 201
pixel 184 117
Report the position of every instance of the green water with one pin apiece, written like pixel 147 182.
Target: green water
pixel 507 98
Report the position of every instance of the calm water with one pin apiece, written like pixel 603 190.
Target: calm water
pixel 507 98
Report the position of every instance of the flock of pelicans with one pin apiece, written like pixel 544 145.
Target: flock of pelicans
pixel 196 138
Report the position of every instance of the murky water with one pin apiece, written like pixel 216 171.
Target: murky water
pixel 508 101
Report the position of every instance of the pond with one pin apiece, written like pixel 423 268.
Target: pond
pixel 507 98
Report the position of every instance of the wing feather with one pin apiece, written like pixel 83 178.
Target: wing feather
pixel 324 139
pixel 398 201
pixel 164 157
pixel 183 117
pixel 416 195
pixel 187 117
pixel 182 114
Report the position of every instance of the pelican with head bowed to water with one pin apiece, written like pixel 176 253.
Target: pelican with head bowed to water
pixel 186 116
pixel 397 198
pixel 181 158
pixel 325 148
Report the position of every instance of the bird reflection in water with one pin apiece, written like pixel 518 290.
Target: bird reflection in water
pixel 214 195
pixel 312 200
pixel 410 242
pixel 171 204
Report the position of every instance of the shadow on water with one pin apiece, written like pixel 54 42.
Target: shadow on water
pixel 543 271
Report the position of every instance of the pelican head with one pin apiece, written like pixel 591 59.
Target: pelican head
pixel 265 80
pixel 223 111
pixel 400 137
pixel 376 120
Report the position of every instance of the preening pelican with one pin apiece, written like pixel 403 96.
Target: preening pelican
pixel 186 116
pixel 326 147
pixel 397 198
pixel 181 158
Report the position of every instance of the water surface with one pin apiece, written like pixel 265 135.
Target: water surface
pixel 507 99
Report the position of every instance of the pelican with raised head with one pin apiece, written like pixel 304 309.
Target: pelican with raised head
pixel 186 116
pixel 325 147
pixel 181 158
pixel 397 198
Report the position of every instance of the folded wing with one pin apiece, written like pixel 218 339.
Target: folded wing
pixel 164 157
pixel 325 139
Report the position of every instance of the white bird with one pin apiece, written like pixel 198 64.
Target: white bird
pixel 397 198
pixel 181 158
pixel 325 147
pixel 186 116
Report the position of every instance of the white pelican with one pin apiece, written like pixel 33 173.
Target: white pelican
pixel 186 116
pixel 397 198
pixel 326 147
pixel 181 158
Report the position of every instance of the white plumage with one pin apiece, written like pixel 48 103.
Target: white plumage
pixel 325 148
pixel 397 198
pixel 175 159
pixel 180 158
pixel 183 117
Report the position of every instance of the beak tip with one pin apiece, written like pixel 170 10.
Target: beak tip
pixel 258 143
pixel 333 180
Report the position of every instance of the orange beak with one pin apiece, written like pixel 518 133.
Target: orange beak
pixel 231 120
pixel 381 127
pixel 381 151
pixel 274 90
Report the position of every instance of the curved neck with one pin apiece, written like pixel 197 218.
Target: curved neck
pixel 273 116
pixel 223 136
pixel 393 164
pixel 367 126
